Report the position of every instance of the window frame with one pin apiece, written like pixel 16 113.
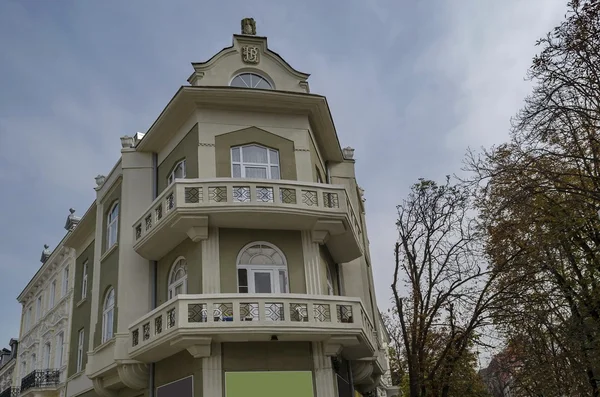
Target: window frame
pixel 243 164
pixel 33 362
pixel 80 344
pixel 108 311
pixel 112 219
pixel 274 269
pixel 38 307
pixel 58 354
pixel 47 354
pixel 84 280
pixel 65 281
pixel 252 73
pixel 171 177
pixel 173 285
pixel 52 296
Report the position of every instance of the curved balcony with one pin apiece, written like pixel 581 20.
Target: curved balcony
pixel 192 322
pixel 189 206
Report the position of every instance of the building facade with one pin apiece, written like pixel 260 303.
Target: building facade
pixel 226 253
pixel 8 359
pixel 41 364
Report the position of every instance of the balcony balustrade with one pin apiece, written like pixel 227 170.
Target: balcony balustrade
pixel 189 320
pixel 11 392
pixel 188 206
pixel 40 379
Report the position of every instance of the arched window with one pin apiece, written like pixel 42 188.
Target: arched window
pixel 108 314
pixel 177 172
pixel 254 161
pixel 250 80
pixel 262 268
pixel 112 228
pixel 178 278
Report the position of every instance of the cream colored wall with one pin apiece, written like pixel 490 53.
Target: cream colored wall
pixel 221 69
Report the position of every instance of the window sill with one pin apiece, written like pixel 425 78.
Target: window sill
pixel 109 251
pixel 81 302
pixel 104 345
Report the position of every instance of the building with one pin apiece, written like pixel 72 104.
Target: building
pixel 45 323
pixel 226 253
pixel 8 359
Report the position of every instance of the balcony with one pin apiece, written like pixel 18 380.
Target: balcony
pixel 40 380
pixel 189 206
pixel 192 322
pixel 10 392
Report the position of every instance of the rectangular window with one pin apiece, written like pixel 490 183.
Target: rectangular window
pixel 52 294
pixel 65 281
pixel 253 161
pixel 29 318
pixel 38 308
pixel 47 349
pixel 80 350
pixel 84 280
pixel 33 362
pixel 59 353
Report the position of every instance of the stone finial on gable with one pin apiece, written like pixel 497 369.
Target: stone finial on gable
pixel 100 181
pixel 348 153
pixel 249 26
pixel 72 220
pixel 45 253
pixel 127 141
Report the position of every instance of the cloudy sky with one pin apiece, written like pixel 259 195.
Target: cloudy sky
pixel 411 85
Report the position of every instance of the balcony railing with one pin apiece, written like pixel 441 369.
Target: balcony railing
pixel 39 379
pixel 221 315
pixel 10 392
pixel 186 193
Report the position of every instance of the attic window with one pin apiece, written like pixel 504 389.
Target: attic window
pixel 250 80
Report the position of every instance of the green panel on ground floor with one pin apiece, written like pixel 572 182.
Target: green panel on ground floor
pixel 269 384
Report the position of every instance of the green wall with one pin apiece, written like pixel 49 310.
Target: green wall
pixel 109 276
pixel 224 143
pixel 179 366
pixel 192 252
pixel 186 149
pixel 231 241
pixel 115 195
pixel 267 356
pixel 82 310
pixel 317 163
pixel 269 384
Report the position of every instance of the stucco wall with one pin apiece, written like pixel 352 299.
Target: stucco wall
pixel 109 277
pixel 186 149
pixel 267 356
pixel 231 241
pixel 82 309
pixel 192 252
pixel 224 142
pixel 179 366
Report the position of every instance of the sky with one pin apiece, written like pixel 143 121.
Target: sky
pixel 411 85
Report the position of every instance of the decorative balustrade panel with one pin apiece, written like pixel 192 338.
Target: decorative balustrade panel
pixel 40 379
pixel 239 310
pixel 11 392
pixel 207 193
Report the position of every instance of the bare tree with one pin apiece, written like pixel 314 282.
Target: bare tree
pixel 440 263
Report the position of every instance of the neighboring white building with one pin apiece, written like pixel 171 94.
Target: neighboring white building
pixel 8 358
pixel 45 323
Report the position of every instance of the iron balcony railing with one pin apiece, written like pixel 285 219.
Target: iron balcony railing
pixel 40 378
pixel 10 392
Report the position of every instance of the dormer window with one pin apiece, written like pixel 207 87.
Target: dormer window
pixel 178 172
pixel 250 80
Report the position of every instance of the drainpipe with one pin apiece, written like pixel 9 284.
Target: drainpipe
pixel 154 267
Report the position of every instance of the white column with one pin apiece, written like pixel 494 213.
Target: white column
pixel 212 377
pixel 212 373
pixel 312 263
pixel 211 272
pixel 324 375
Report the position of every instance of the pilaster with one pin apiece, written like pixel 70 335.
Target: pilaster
pixel 324 374
pixel 211 273
pixel 312 260
pixel 95 295
pixel 212 373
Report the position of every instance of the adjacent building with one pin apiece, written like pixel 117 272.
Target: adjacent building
pixel 225 255
pixel 8 359
pixel 45 323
